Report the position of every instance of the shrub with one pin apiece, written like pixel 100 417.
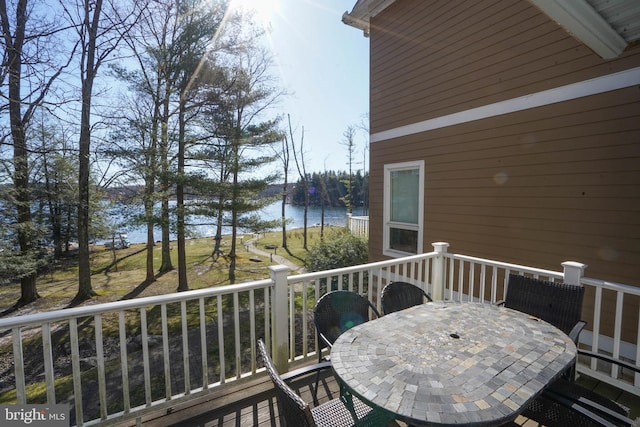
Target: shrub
pixel 343 250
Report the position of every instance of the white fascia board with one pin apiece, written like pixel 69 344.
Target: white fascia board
pixel 584 23
pixel 363 11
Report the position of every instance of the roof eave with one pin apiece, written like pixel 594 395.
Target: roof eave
pixel 586 24
pixel 363 11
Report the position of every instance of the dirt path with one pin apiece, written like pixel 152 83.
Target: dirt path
pixel 250 245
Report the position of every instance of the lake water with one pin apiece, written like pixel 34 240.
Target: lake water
pixel 332 216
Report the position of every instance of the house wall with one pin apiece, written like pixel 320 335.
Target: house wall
pixel 538 186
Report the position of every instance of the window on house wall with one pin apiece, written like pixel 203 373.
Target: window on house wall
pixel 403 208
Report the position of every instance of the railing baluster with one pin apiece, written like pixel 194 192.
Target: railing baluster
pixel 223 368
pixel 165 351
pixel 267 315
pixel 185 346
pixel 145 356
pixel 49 376
pixel 203 343
pixel 617 332
pixel 252 331
pixel 482 283
pixel 75 367
pixel 595 339
pixel 102 383
pixel 472 280
pixel 124 364
pixel 460 280
pixel 316 341
pixel 494 284
pixel 305 319
pixel 236 321
pixel 636 377
pixel 18 366
pixel 451 277
pixel 292 323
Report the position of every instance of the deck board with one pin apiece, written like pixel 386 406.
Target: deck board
pixel 255 404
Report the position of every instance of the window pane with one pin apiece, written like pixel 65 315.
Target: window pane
pixel 404 196
pixel 403 240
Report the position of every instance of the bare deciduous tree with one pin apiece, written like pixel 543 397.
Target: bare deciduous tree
pixel 25 66
pixel 100 28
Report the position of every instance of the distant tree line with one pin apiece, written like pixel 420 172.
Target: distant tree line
pixel 331 188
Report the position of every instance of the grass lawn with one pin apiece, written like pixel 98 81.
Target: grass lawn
pixel 124 277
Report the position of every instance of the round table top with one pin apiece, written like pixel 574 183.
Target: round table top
pixel 447 363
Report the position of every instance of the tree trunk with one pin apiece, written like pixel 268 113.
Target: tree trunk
pixel 234 208
pixel 148 209
pixel 182 257
pixel 28 292
pixel 284 218
pixel 306 211
pixel 218 237
pixel 166 264
pixel 85 291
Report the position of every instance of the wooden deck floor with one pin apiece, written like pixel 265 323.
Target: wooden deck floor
pixel 253 404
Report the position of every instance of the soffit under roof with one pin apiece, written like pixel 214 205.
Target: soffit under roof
pixel 606 26
pixel 622 15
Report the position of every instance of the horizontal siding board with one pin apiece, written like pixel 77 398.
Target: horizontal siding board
pixel 590 196
pixel 436 41
pixel 532 219
pixel 472 58
pixel 422 70
pixel 601 221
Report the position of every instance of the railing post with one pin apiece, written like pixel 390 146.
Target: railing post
pixel 439 265
pixel 573 272
pixel 349 223
pixel 279 316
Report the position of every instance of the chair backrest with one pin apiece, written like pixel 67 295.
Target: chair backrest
pixel 338 311
pixel 397 296
pixel 557 303
pixel 295 411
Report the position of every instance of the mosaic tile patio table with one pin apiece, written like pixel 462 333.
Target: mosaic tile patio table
pixel 448 363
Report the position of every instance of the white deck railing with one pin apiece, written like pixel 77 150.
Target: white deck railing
pixel 358 225
pixel 142 355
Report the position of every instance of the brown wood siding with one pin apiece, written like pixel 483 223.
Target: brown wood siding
pixel 565 186
pixel 538 187
pixel 432 58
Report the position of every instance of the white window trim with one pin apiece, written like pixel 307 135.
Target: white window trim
pixel 386 225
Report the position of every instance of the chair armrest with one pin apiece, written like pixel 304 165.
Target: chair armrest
pixel 575 332
pixel 325 339
pixel 588 408
pixel 305 370
pixel 609 359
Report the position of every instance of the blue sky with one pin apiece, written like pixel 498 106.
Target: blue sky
pixel 324 64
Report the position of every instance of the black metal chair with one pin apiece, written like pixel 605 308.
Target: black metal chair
pixel 566 403
pixel 336 312
pixel 397 296
pixel 339 311
pixel 336 412
pixel 557 303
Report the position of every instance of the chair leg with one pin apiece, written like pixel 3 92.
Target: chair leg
pixel 314 390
